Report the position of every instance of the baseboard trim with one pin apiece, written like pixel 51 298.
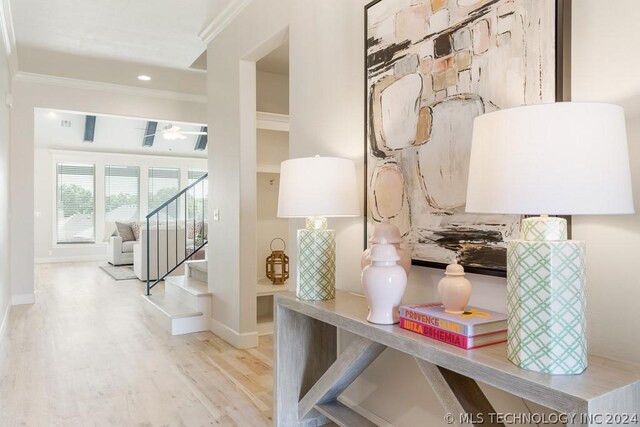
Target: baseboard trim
pixel 82 258
pixel 23 299
pixel 5 320
pixel 238 340
pixel 365 412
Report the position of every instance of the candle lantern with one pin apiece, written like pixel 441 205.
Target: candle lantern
pixel 278 264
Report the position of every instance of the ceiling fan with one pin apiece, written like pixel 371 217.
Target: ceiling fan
pixel 173 132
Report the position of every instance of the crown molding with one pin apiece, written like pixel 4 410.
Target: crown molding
pixel 220 22
pixel 8 36
pixel 66 82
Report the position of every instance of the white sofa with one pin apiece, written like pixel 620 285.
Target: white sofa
pixel 162 257
pixel 119 252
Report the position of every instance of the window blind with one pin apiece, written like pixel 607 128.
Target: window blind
pixel 164 183
pixel 195 174
pixel 75 203
pixel 122 193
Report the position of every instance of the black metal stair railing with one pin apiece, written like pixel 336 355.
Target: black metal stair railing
pixel 181 220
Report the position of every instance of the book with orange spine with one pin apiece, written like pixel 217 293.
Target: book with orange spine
pixel 472 322
pixel 451 338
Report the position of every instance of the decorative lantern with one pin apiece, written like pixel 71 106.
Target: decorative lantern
pixel 278 264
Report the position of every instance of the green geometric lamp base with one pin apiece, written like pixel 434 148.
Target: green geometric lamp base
pixel 316 277
pixel 546 304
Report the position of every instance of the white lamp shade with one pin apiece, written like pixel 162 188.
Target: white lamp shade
pixel 318 186
pixel 563 158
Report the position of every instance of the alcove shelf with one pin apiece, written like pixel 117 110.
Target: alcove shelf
pixel 265 288
pixel 265 291
pixel 272 148
pixel 272 121
pixel 267 168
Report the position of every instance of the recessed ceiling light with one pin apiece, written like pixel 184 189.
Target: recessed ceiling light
pixel 144 77
pixel 51 114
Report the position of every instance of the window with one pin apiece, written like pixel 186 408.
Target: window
pixel 121 193
pixel 197 195
pixel 195 175
pixel 164 183
pixel 75 203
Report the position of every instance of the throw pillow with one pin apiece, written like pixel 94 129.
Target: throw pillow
pixel 125 231
pixel 135 227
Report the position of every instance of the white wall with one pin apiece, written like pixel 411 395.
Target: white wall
pixel 272 92
pixel 272 148
pixel 327 106
pixel 30 95
pixel 46 249
pixel 5 138
pixel 605 64
pixel 260 28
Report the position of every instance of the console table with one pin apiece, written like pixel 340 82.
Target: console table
pixel 310 376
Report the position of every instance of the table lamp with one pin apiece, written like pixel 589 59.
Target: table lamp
pixel 561 159
pixel 316 188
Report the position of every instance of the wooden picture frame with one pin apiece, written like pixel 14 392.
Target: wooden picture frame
pixel 429 69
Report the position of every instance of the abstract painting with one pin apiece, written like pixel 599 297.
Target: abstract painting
pixel 432 66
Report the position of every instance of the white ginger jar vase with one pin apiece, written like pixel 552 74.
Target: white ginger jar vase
pixel 385 232
pixel 384 283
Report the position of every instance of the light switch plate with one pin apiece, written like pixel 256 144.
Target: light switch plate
pixel 216 214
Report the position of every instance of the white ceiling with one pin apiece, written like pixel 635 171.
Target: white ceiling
pixel 112 134
pixel 113 41
pixel 159 32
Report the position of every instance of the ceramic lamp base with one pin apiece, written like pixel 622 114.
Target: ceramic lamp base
pixel 316 264
pixel 546 306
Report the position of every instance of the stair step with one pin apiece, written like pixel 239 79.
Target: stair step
pixel 199 264
pixel 193 286
pixel 198 270
pixel 171 307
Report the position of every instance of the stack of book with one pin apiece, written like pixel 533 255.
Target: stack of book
pixel 472 329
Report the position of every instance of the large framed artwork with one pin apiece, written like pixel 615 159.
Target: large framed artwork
pixel 431 67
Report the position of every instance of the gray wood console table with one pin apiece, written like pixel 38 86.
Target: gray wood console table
pixel 309 376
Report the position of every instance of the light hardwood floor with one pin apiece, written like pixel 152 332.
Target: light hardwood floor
pixel 86 355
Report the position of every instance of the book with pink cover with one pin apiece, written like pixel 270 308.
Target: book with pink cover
pixel 467 343
pixel 473 322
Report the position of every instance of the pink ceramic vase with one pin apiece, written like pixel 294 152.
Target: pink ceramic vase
pixel 454 289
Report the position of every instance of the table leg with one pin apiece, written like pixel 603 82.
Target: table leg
pixel 304 349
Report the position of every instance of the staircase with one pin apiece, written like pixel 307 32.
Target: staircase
pixel 185 305
pixel 180 231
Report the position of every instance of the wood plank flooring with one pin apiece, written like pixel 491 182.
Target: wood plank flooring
pixel 87 355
